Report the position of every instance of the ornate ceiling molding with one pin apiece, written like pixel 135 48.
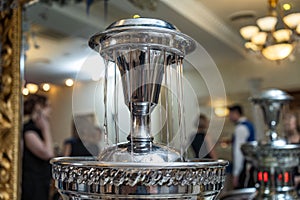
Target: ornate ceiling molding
pixel 196 12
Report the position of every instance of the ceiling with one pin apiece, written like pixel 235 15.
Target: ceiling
pixel 57 37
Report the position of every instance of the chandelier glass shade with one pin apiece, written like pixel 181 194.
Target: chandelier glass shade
pixel 277 51
pixel 267 38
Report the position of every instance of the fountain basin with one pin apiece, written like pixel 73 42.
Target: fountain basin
pixel 272 155
pixel 87 178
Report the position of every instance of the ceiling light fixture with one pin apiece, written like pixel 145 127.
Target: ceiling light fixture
pixel 32 88
pixel 267 39
pixel 25 91
pixel 69 82
pixel 221 111
pixel 46 87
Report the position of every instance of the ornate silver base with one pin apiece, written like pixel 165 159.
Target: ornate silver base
pixel 87 178
pixel 275 164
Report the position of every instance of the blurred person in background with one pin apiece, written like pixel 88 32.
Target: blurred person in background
pixel 292 128
pixel 73 146
pixel 37 149
pixel 202 145
pixel 84 146
pixel 292 134
pixel 242 171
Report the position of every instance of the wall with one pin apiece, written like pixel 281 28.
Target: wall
pixel 64 107
pixel 61 117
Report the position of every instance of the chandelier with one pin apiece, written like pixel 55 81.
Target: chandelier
pixel 275 35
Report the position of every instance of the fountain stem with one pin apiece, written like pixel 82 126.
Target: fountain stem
pixel 140 134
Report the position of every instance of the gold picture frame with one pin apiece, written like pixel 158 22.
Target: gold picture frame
pixel 10 98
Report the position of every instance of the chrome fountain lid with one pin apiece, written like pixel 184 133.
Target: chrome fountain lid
pixel 146 32
pixel 272 95
pixel 142 22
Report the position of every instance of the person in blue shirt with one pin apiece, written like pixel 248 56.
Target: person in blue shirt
pixel 244 132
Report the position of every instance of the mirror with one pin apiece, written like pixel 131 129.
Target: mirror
pixel 56 38
pixel 56 49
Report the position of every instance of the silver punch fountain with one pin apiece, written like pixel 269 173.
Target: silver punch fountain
pixel 145 52
pixel 274 158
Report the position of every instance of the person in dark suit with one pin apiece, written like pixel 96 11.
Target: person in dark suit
pixel 201 143
pixel 74 146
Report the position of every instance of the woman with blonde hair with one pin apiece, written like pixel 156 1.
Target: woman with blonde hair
pixel 292 134
pixel 291 128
